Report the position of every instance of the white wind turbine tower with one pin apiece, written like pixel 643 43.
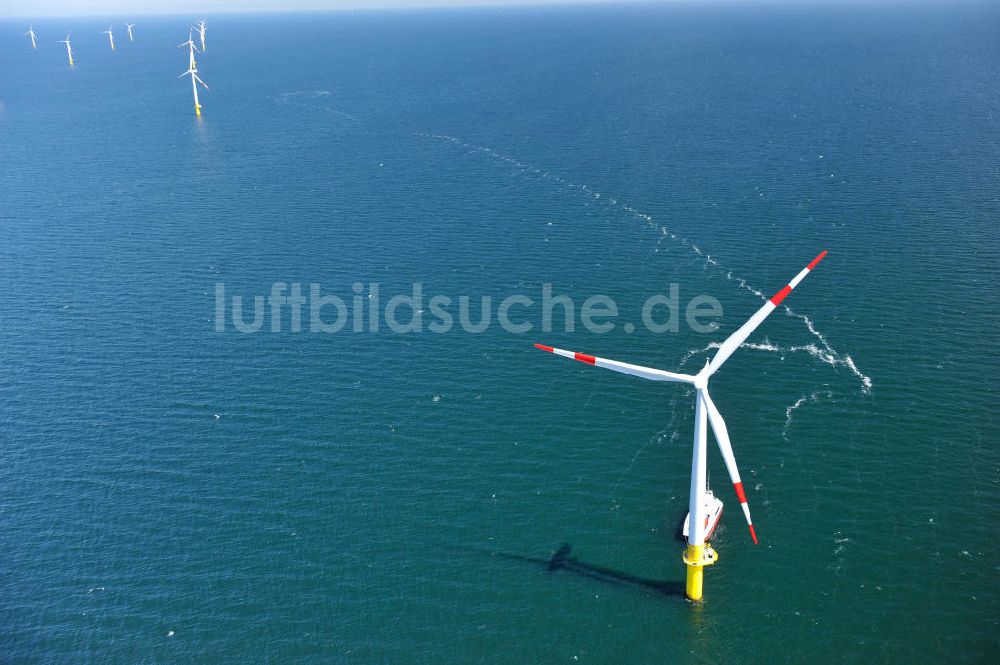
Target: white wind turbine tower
pixel 698 554
pixel 69 49
pixel 31 33
pixel 193 72
pixel 111 35
pixel 129 27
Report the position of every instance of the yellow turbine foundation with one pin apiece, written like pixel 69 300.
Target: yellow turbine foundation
pixel 696 557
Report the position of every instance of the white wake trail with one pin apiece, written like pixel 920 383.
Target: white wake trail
pixel 824 351
pixel 307 99
pixel 824 354
pixel 805 399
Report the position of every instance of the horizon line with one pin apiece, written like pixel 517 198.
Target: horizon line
pixel 424 5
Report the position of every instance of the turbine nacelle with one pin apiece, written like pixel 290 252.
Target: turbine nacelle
pixel 701 379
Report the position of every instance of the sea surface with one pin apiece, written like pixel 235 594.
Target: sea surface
pixel 170 493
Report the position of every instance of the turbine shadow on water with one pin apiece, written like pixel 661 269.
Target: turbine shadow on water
pixel 562 560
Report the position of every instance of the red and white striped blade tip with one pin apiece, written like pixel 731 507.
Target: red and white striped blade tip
pixel 582 357
pixel 742 498
pixel 816 261
pixel 783 293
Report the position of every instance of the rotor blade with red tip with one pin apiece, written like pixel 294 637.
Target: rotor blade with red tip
pixel 625 368
pixel 722 438
pixel 737 338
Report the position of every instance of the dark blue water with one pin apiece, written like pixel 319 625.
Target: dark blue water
pixel 170 493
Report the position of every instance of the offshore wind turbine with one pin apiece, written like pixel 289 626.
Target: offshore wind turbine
pixel 193 72
pixel 111 35
pixel 69 49
pixel 31 33
pixel 129 27
pixel 201 32
pixel 192 49
pixel 195 80
pixel 698 553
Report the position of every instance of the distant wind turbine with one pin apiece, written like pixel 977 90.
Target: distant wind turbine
pixel 111 35
pixel 31 33
pixel 193 72
pixel 201 32
pixel 129 26
pixel 69 49
pixel 192 49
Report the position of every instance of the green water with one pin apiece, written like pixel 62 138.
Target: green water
pixel 170 493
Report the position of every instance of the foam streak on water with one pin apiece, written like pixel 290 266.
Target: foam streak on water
pixel 824 352
pixel 812 397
